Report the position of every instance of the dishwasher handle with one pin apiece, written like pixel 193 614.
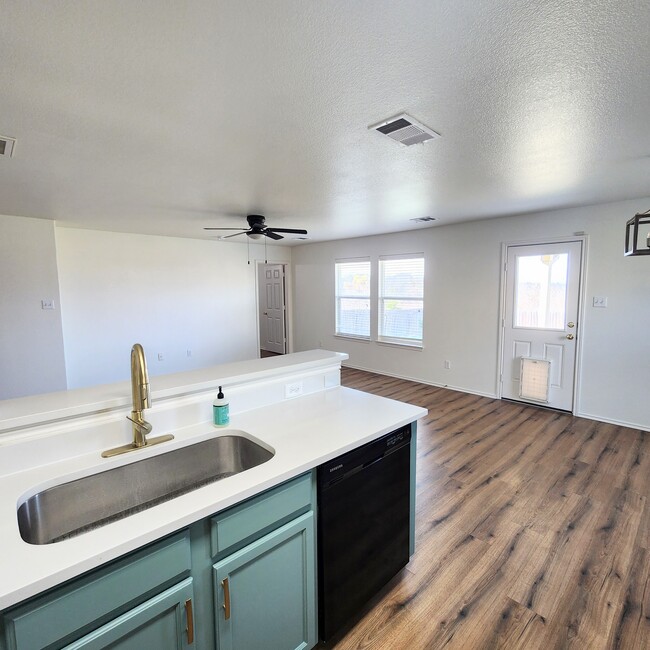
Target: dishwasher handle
pixel 372 462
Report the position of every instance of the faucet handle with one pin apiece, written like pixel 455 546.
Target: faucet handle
pixel 142 424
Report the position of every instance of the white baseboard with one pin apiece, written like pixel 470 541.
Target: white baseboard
pixel 588 416
pixel 421 381
pixel 618 423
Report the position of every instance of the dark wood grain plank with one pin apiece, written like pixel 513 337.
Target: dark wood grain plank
pixel 632 625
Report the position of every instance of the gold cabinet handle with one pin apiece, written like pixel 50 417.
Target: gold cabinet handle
pixel 226 597
pixel 190 621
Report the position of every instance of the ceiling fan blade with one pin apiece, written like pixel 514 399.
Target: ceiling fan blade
pixel 243 232
pixel 272 235
pixel 296 231
pixel 224 229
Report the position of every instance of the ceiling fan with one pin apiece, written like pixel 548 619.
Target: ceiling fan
pixel 257 229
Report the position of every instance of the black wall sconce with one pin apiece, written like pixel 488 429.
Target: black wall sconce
pixel 632 235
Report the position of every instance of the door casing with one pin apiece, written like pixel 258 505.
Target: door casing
pixel 288 347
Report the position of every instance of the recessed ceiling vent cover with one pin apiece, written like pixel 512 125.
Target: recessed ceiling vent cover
pixel 405 130
pixel 7 146
pixel 423 219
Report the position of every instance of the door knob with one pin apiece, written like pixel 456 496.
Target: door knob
pixel 570 337
pixel 570 324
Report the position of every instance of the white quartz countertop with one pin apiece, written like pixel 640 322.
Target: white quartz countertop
pixel 304 432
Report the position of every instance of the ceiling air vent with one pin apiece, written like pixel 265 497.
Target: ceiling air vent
pixel 405 130
pixel 7 146
pixel 423 219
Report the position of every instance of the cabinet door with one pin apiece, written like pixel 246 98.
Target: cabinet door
pixel 164 623
pixel 265 593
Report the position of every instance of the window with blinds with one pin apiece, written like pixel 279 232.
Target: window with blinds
pixel 353 298
pixel 401 299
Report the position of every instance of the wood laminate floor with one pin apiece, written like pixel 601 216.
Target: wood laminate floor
pixel 532 531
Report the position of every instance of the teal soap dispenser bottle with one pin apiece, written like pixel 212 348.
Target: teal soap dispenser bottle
pixel 220 410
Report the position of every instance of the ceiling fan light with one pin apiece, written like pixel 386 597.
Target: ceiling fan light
pixel 255 235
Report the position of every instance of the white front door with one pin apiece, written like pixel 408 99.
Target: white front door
pixel 271 307
pixel 540 323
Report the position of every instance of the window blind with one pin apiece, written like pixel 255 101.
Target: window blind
pixel 401 299
pixel 353 298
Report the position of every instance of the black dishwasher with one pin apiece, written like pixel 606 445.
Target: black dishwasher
pixel 363 526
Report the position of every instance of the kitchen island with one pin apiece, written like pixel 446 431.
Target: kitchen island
pixel 292 405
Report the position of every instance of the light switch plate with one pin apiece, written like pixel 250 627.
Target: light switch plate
pixel 599 301
pixel 48 303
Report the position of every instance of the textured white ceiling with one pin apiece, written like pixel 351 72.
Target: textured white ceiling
pixel 165 117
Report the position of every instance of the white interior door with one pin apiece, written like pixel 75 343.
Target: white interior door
pixel 540 323
pixel 272 307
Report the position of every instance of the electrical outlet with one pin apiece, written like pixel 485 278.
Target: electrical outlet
pixel 293 389
pixel 48 303
pixel 161 356
pixel 447 365
pixel 599 301
pixel 189 353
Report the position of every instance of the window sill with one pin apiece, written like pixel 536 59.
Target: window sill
pixel 390 344
pixel 401 344
pixel 349 337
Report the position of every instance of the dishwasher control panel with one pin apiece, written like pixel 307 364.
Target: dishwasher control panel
pixel 355 460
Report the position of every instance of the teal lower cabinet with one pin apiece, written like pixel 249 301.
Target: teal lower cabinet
pixel 170 594
pixel 265 592
pixel 164 623
pixel 142 595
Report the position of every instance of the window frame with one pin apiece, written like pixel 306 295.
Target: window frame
pixel 339 297
pixel 381 297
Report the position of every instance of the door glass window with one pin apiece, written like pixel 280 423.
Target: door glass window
pixel 540 291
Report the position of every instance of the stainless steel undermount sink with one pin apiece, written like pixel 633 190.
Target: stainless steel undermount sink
pixel 75 507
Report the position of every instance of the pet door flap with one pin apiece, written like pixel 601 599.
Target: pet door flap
pixel 535 376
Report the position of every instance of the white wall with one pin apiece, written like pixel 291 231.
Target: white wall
pixel 461 317
pixel 170 294
pixel 31 339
